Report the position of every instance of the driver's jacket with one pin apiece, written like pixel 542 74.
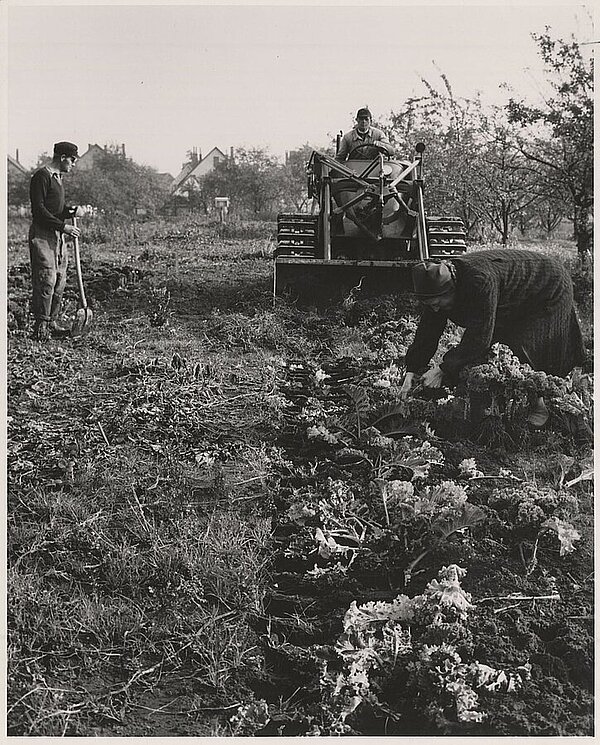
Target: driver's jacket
pixel 352 139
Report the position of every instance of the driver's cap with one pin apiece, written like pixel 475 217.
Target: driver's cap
pixel 363 112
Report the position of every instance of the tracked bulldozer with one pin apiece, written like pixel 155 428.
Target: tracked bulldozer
pixel 368 228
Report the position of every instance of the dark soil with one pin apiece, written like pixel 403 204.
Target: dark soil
pixel 223 300
pixel 555 636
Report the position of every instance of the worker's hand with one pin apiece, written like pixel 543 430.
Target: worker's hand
pixel 407 384
pixel 433 377
pixel 72 230
pixel 79 211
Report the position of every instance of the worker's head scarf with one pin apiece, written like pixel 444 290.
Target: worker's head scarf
pixel 432 278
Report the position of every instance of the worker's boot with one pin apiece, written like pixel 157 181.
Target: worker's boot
pixel 41 331
pixel 538 414
pixel 582 433
pixel 57 331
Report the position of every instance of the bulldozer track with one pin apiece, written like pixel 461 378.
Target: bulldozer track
pixel 297 234
pixel 446 236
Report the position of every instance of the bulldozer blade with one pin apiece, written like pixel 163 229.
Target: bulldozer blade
pixel 319 282
pixel 83 321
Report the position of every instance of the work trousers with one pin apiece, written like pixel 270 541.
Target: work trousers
pixel 49 260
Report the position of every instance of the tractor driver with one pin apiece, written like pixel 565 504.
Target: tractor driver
pixel 363 134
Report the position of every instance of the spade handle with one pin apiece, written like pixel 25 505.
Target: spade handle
pixel 78 268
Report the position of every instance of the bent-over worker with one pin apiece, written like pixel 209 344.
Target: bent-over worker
pixel 523 299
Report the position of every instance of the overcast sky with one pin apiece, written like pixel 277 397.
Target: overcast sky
pixel 162 79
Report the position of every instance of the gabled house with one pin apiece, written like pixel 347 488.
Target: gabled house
pixel 182 176
pixel 14 168
pixel 166 180
pixel 17 181
pixel 193 171
pixel 88 160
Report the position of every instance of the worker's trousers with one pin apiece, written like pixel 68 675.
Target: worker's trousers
pixel 49 260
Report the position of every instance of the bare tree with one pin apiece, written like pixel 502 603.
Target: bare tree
pixel 507 187
pixel 558 135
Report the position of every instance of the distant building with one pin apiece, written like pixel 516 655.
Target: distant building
pixel 166 180
pixel 89 159
pixel 18 186
pixel 14 168
pixel 192 171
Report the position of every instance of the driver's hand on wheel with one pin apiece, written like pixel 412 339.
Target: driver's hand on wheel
pixel 407 384
pixel 433 377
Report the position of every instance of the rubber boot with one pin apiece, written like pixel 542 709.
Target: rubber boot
pixel 582 433
pixel 41 331
pixel 538 415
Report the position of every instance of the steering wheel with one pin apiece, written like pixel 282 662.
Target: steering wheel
pixel 374 145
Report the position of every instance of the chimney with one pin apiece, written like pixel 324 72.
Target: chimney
pixel 123 147
pixel 17 155
pixel 231 152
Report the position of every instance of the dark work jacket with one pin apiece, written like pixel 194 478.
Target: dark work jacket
pixel 521 298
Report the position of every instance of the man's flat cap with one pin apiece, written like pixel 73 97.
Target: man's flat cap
pixel 66 148
pixel 363 112
pixel 432 278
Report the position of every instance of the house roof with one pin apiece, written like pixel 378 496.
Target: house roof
pixel 183 175
pixel 189 168
pixel 92 149
pixel 207 159
pixel 15 164
pixel 166 179
pixel 213 151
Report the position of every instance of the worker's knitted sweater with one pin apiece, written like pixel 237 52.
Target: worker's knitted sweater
pixel 523 299
pixel 47 196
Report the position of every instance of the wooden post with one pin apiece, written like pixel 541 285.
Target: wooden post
pixel 222 205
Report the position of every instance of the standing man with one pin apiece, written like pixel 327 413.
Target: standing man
pixel 363 134
pixel 47 249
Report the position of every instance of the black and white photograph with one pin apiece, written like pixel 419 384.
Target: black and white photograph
pixel 299 371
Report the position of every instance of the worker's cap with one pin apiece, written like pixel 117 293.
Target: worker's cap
pixel 431 279
pixel 66 148
pixel 363 112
